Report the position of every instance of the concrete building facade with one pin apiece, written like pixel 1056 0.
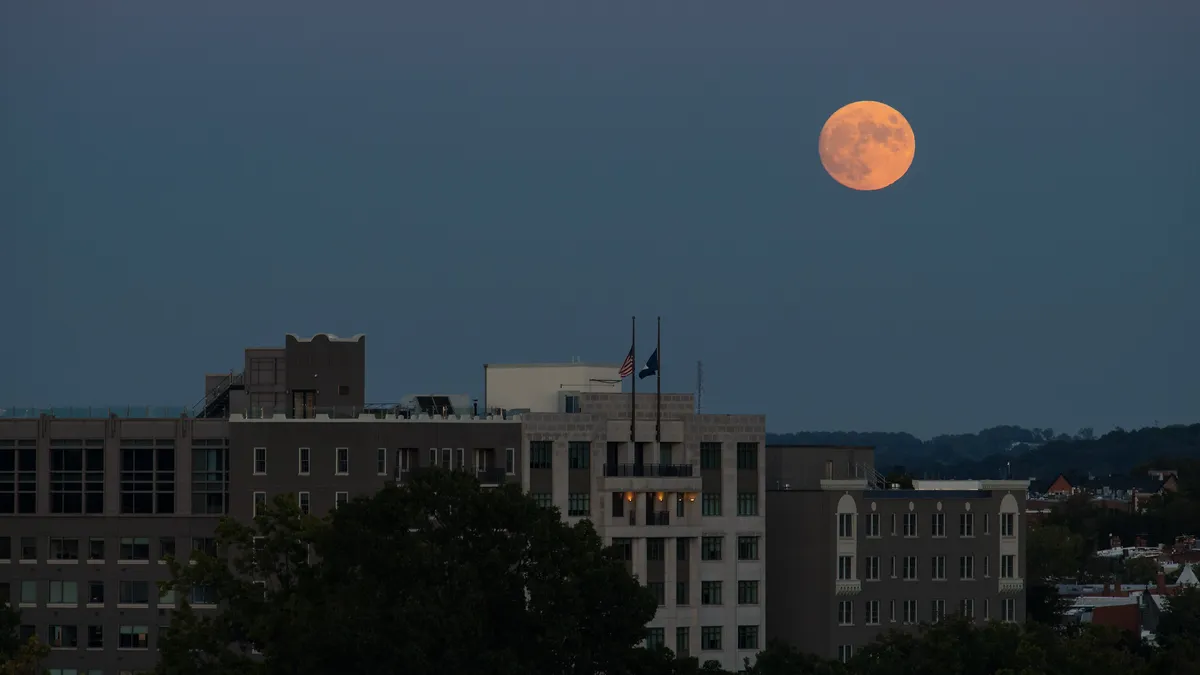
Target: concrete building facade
pixel 682 497
pixel 852 557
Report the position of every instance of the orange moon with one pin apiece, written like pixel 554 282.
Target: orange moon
pixel 867 145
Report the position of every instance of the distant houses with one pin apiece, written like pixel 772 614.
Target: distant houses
pixel 1116 492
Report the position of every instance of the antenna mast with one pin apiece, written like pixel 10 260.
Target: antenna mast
pixel 699 386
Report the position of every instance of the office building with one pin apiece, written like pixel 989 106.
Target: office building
pixel 92 501
pixel 680 493
pixel 853 556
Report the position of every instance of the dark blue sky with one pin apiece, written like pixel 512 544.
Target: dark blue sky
pixel 508 182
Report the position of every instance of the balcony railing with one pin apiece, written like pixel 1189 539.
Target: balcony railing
pixel 493 476
pixel 648 470
pixel 659 518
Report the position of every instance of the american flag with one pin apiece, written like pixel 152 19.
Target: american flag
pixel 627 366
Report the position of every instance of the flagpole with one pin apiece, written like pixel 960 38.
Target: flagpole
pixel 658 394
pixel 633 388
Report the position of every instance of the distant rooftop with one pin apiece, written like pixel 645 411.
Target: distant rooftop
pixel 97 412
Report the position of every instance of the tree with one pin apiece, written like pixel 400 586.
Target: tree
pixel 18 657
pixel 1139 570
pixel 437 576
pixel 780 658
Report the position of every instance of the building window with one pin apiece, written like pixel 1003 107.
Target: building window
pixel 133 593
pixel 64 593
pixel 5 549
pixel 986 609
pixel 710 548
pixel 133 637
pixel 893 567
pixel 1008 524
pixel 937 523
pixel 910 524
pixel 986 567
pixel 682 545
pixel 1010 610
pixel 966 525
pixel 659 590
pixel 710 638
pixel 63 637
pixel 95 593
pixel 966 567
pixel 846 525
pixel 29 592
pixel 680 502
pixel 747 457
pixel 656 548
pixel 579 455
pixel 871 610
pixel 305 460
pixel 681 593
pixel 747 548
pixel 148 476
pixel 134 548
pixel 624 548
pixel 203 595
pixel 18 476
pixel 939 568
pixel 579 504
pixel 845 569
pixel 210 476
pixel 76 476
pixel 510 461
pixel 342 464
pixel 166 548
pixel 205 545
pixel 710 455
pixel 910 567
pixel 967 608
pixel 1008 567
pixel 63 549
pixel 710 593
pixel 845 653
pixel 304 501
pixel 937 611
pixel 683 640
pixel 987 524
pixel 892 611
pixel 96 549
pixel 845 613
pixel 543 499
pixel 540 453
pixel 747 637
pixel 910 611
pixel 340 499
pixel 710 504
pixel 871 565
pixel 260 461
pixel 95 637
pixel 655 638
pixel 748 592
pixel 260 503
pixel 893 524
pixel 872 522
pixel 381 462
pixel 747 503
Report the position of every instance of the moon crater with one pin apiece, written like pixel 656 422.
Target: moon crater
pixel 867 145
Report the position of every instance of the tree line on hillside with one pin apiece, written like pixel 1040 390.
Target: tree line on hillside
pixel 1026 453
pixel 440 576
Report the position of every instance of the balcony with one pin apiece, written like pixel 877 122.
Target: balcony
pixel 650 478
pixel 661 518
pixel 1011 585
pixel 848 587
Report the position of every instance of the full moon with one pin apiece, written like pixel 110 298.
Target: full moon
pixel 867 145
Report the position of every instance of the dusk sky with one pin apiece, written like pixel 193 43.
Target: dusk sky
pixel 510 182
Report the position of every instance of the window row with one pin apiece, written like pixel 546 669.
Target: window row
pixel 400 460
pixel 710 638
pixel 94 549
pixel 71 636
pixel 711 592
pixel 62 594
pixel 909 568
pixel 711 548
pixel 747 503
pixel 908 525
pixel 909 611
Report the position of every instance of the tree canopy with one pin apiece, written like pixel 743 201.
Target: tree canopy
pixel 17 656
pixel 437 576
